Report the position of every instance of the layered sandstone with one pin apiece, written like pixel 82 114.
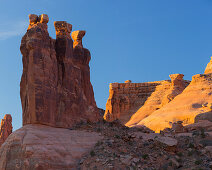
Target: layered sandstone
pixel 55 86
pixel 42 147
pixel 5 128
pixel 208 69
pixel 184 107
pixel 163 94
pixel 126 98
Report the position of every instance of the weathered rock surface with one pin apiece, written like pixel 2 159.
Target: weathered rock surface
pixel 55 86
pixel 163 94
pixel 5 128
pixel 126 98
pixel 208 69
pixel 201 124
pixel 42 147
pixel 204 116
pixel 185 107
pixel 132 148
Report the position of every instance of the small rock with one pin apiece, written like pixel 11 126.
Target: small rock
pixel 175 162
pixel 135 160
pixel 167 140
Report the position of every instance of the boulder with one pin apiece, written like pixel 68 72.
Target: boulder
pixel 203 116
pixel 201 124
pixel 42 147
pixel 177 127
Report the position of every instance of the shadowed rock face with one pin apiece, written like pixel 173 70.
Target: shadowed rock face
pixel 6 128
pixel 55 86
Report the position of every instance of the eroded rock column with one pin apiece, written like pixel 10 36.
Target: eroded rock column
pixel 55 85
pixel 5 128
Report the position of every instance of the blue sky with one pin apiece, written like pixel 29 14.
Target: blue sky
pixel 141 40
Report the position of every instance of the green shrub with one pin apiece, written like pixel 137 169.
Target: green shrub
pixel 92 153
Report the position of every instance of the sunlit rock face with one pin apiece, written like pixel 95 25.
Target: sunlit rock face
pixel 126 98
pixel 5 128
pixel 208 69
pixel 55 86
pixel 163 94
pixel 184 107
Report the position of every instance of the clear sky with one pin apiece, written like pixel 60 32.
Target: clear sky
pixel 140 40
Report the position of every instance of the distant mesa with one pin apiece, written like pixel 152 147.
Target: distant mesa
pixel 128 81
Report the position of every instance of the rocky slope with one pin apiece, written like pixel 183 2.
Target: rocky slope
pixel 140 148
pixel 184 107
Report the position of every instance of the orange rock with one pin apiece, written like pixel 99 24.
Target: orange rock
pixel 208 69
pixel 6 128
pixel 55 85
pixel 185 107
pixel 63 29
pixel 128 81
pixel 126 98
pixel 77 37
pixel 163 94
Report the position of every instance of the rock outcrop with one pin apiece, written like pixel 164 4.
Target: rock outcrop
pixel 185 107
pixel 42 147
pixel 6 128
pixel 55 86
pixel 208 69
pixel 126 98
pixel 163 94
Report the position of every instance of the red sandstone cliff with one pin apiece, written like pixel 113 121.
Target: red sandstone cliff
pixel 126 99
pixel 6 128
pixel 55 86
